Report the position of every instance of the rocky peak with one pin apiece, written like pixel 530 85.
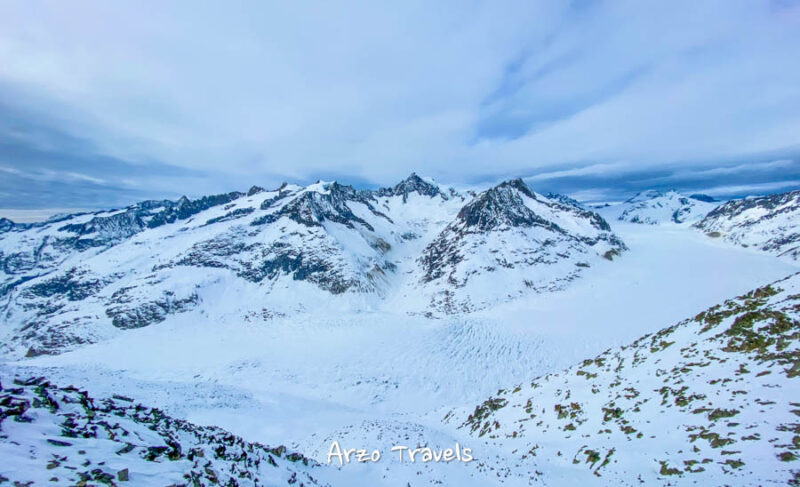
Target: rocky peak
pixel 342 190
pixel 320 202
pixel 502 206
pixel 254 190
pixel 520 186
pixel 509 233
pixel 6 224
pixel 411 184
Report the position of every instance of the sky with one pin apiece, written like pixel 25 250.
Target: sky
pixel 106 103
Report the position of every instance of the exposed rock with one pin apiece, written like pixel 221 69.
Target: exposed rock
pixel 412 184
pixel 71 436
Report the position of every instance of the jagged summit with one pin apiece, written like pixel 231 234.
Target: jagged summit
pixel 6 224
pixel 255 190
pixel 412 184
pixel 502 206
pixel 321 202
pixel 513 203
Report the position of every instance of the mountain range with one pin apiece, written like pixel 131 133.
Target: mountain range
pixel 302 315
pixel 79 279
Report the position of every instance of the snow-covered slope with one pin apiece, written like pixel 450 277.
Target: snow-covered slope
pixel 711 400
pixel 82 278
pixel 654 207
pixel 509 234
pixel 768 223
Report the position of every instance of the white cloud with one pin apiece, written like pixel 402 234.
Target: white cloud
pixel 592 169
pixel 374 90
pixel 752 189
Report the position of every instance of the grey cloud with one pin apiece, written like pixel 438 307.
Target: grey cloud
pixel 579 96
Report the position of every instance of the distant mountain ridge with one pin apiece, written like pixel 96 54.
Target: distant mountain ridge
pixel 81 278
pixel 654 207
pixel 769 223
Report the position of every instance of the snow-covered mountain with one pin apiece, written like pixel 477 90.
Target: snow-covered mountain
pixel 768 223
pixel 358 368
pixel 712 400
pixel 655 207
pixel 82 278
pixel 512 235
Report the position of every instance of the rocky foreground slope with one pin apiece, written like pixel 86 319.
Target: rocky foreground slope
pixel 768 223
pixel 52 435
pixel 712 400
pixel 82 278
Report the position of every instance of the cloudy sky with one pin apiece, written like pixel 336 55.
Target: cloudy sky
pixel 104 103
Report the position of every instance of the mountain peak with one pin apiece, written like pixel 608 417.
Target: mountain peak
pixel 499 206
pixel 645 195
pixel 6 224
pixel 519 185
pixel 415 183
pixel 412 184
pixel 323 187
pixel 537 243
pixel 254 190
